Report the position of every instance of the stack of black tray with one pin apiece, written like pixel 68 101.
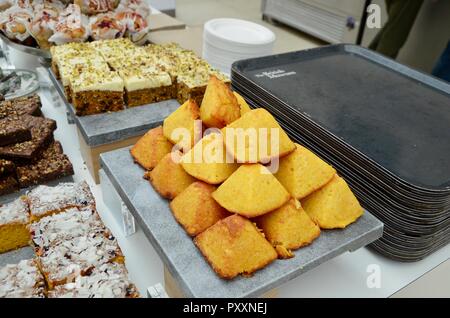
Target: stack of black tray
pixel 384 127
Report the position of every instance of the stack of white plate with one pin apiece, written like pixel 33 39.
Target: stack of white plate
pixel 228 40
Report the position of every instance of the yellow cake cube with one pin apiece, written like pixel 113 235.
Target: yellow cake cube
pixel 288 228
pixel 180 128
pixel 244 107
pixel 334 206
pixel 302 172
pixel 207 160
pixel 235 246
pixel 219 106
pixel 14 218
pixel 168 177
pixel 257 137
pixel 195 209
pixel 151 148
pixel 251 191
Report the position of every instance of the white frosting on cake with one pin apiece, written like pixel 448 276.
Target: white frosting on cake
pixel 97 80
pixel 165 62
pixel 200 77
pixel 16 211
pixel 112 48
pixel 74 66
pixel 69 258
pixel 108 281
pixel 145 78
pixel 64 226
pixel 65 195
pixel 21 281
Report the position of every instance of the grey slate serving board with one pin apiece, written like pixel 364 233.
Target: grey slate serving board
pixel 111 127
pixel 14 257
pixel 178 252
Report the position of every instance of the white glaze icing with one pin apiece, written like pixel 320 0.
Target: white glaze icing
pixel 21 281
pixel 64 226
pixel 44 199
pixel 107 281
pixel 70 258
pixel 16 211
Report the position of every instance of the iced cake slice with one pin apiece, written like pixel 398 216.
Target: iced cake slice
pixel 22 280
pixel 96 91
pixel 63 262
pixel 13 225
pixel 146 85
pixel 69 60
pixel 191 84
pixel 110 49
pixel 61 54
pixel 44 201
pixel 75 65
pixel 55 229
pixel 107 281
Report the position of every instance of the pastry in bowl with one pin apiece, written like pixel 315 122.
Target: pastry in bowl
pixel 14 24
pixel 106 27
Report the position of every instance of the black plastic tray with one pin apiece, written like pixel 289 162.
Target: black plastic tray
pixel 383 110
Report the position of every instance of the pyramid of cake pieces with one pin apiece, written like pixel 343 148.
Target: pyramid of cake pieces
pixel 244 205
pixel 76 255
pixel 109 75
pixel 29 155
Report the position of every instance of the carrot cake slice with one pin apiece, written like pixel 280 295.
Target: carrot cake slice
pixel 97 91
pixel 122 58
pixel 63 262
pixel 146 85
pixel 70 60
pixel 13 225
pixel 44 200
pixel 22 280
pixel 73 67
pixel 107 281
pixel 57 228
pixel 163 59
pixel 191 84
pixel 110 49
pixel 60 53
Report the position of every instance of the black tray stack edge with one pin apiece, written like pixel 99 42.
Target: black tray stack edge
pixel 381 124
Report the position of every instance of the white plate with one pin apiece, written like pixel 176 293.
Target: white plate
pixel 237 33
pixel 242 52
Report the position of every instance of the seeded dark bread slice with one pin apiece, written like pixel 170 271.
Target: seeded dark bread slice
pixel 41 136
pixel 8 184
pixel 53 164
pixel 7 167
pixel 28 105
pixel 13 130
